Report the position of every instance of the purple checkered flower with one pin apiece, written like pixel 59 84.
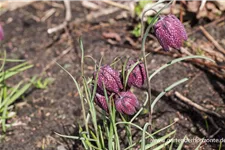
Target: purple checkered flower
pixel 137 76
pixel 1 33
pixel 127 103
pixel 110 79
pixel 170 32
pixel 100 100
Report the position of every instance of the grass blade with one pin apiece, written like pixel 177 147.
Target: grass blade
pixel 166 90
pixel 178 60
pixel 181 144
pixel 157 141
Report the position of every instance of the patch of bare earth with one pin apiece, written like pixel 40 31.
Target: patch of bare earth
pixel 58 108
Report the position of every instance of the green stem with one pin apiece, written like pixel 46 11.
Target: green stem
pixel 82 89
pixel 148 84
pixel 144 58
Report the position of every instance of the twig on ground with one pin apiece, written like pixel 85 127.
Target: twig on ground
pixel 35 18
pixel 218 56
pixel 207 25
pixel 54 4
pixel 204 110
pixel 94 15
pixel 216 126
pixel 193 79
pixel 18 123
pixel 202 5
pixel 102 12
pixel 202 130
pixel 198 107
pixel 48 14
pixel 215 104
pixel 185 51
pixel 90 5
pixel 68 10
pixel 56 59
pixel 67 19
pixel 212 68
pixel 214 134
pixel 13 5
pixel 57 28
pixel 116 4
pixel 209 37
pixel 213 122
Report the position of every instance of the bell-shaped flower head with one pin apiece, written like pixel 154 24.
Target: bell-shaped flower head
pixel 127 103
pixel 170 32
pixel 100 100
pixel 109 78
pixel 137 76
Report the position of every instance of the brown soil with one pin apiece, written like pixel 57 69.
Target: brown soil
pixel 58 108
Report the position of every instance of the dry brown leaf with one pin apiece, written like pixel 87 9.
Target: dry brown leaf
pixel 111 35
pixel 11 5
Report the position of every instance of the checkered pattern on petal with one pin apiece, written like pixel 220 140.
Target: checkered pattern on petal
pixel 137 76
pixel 170 32
pixel 127 103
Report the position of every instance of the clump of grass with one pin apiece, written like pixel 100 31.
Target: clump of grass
pixel 102 130
pixel 10 94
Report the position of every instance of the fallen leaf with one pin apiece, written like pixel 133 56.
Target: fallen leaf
pixel 111 35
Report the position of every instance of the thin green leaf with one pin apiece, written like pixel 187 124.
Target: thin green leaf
pixel 164 128
pixel 20 92
pixel 6 99
pixel 166 90
pixel 178 60
pixel 163 145
pixel 73 137
pixel 138 127
pixel 4 115
pixel 157 141
pixel 197 148
pixel 101 136
pixel 4 60
pixel 171 145
pixel 143 136
pixel 9 73
pixel 12 60
pixel 182 143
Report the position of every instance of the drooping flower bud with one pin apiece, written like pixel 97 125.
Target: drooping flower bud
pixel 170 32
pixel 110 79
pixel 127 103
pixel 100 100
pixel 137 76
pixel 1 33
